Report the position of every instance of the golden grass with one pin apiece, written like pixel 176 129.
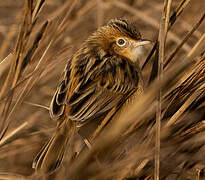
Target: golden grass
pixel 159 136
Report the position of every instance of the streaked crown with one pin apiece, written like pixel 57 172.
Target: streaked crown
pixel 125 27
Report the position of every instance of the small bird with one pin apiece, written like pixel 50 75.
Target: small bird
pixel 99 76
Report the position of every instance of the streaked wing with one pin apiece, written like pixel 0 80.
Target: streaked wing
pixel 97 86
pixel 58 102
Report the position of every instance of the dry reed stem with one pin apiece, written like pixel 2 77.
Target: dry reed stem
pixel 15 67
pixel 163 29
pixel 183 4
pixel 184 24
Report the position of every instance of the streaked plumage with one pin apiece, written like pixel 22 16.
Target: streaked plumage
pixel 97 78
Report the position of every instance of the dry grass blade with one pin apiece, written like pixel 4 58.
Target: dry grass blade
pixel 183 4
pixel 184 40
pixel 30 52
pixel 20 99
pixel 7 82
pixel 13 133
pixel 22 42
pixel 19 129
pixel 36 105
pixel 188 85
pixel 30 83
pixel 37 9
pixel 183 108
pixel 15 68
pixel 197 49
pixel 4 65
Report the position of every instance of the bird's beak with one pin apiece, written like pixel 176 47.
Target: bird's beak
pixel 137 49
pixel 142 42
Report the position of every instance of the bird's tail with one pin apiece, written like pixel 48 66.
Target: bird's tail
pixel 51 155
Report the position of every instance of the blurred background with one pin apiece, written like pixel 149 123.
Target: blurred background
pixel 32 116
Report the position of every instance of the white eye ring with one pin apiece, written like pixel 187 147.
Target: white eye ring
pixel 121 42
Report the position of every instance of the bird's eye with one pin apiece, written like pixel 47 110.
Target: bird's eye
pixel 121 42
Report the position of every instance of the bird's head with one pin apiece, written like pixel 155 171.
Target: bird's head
pixel 118 37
